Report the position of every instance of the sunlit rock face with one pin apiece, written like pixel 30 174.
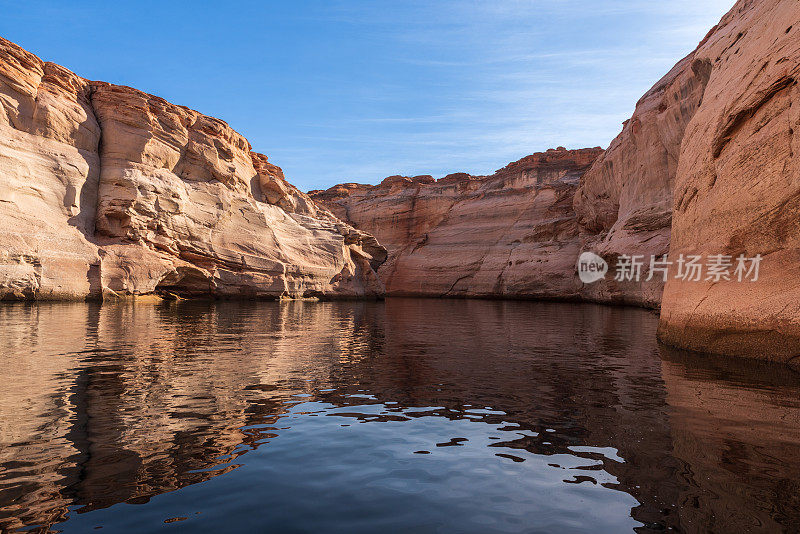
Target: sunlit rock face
pixel 706 166
pixel 49 174
pixel 737 188
pixel 106 190
pixel 511 234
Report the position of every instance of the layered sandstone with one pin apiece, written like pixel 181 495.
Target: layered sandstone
pixel 512 234
pixel 624 203
pixel 106 190
pixel 612 203
pixel 737 188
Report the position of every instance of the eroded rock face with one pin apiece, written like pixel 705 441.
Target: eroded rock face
pixel 624 203
pixel 511 234
pixel 737 188
pixel 712 149
pixel 622 206
pixel 49 174
pixel 170 201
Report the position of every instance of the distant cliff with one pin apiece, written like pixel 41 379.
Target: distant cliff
pixel 109 191
pixel 512 234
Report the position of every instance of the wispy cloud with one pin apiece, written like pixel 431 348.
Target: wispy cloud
pixel 340 90
pixel 460 85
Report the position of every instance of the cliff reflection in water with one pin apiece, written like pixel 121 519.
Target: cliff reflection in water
pixel 483 416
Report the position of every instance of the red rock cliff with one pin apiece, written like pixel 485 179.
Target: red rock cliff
pixel 737 188
pixel 624 203
pixel 707 167
pixel 511 234
pixel 174 200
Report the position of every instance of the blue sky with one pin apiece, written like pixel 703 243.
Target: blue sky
pixel 338 91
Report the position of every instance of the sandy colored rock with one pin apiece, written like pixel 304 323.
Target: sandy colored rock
pixel 511 234
pixel 737 189
pixel 171 201
pixel 705 166
pixel 49 173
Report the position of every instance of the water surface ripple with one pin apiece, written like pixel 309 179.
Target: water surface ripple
pixel 397 416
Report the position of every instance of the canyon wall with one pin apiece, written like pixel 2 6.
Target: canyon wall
pixel 520 232
pixel 712 149
pixel 106 190
pixel 512 234
pixel 737 189
pixel 624 203
pixel 705 167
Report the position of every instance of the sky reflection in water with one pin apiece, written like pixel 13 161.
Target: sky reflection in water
pixel 408 415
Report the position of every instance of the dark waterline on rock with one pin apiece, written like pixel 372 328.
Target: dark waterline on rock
pixel 404 415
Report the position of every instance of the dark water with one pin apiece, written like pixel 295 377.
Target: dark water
pixel 403 416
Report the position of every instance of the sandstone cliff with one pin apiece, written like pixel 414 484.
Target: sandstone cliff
pixel 737 188
pixel 519 232
pixel 622 206
pixel 106 190
pixel 511 234
pixel 624 203
pixel 706 166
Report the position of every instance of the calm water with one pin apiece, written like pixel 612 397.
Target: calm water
pixel 403 416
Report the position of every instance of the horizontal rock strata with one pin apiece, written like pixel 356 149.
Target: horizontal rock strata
pixel 512 234
pixel 106 190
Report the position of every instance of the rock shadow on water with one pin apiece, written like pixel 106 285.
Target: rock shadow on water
pixel 123 403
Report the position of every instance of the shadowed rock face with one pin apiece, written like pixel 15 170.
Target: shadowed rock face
pixel 511 234
pixel 737 188
pixel 108 190
pixel 624 203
